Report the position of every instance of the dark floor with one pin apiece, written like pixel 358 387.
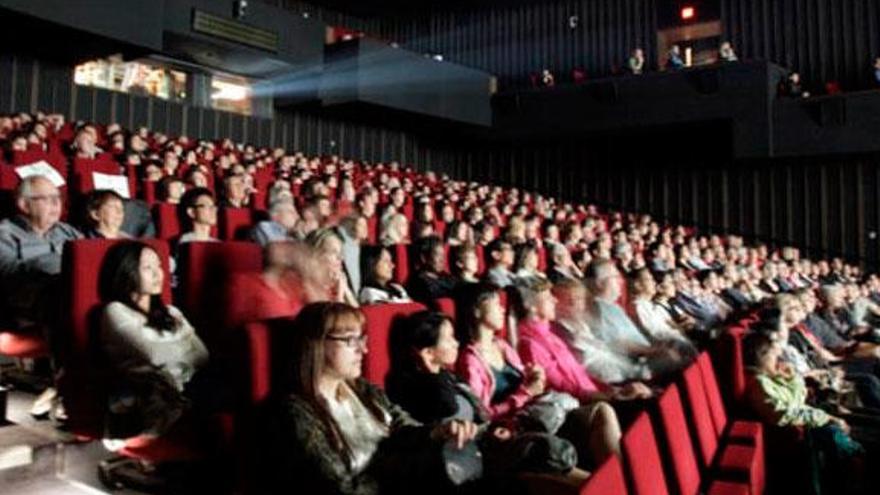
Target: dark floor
pixel 43 459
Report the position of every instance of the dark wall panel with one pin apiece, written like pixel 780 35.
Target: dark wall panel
pixel 823 39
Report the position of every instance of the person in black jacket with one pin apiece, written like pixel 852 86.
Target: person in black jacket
pixel 423 350
pixel 431 281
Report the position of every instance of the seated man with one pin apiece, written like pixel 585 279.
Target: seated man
pixel 280 226
pixel 611 324
pixel 30 253
pixel 499 256
pixel 601 360
pixel 431 281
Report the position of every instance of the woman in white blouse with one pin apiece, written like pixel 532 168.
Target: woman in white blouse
pixel 152 349
pixel 378 271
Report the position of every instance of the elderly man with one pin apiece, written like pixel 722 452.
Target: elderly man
pixel 30 251
pixel 30 263
pixel 612 325
pixel 283 219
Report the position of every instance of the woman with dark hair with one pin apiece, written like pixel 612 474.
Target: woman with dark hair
pixel 423 351
pixel 341 435
pixel 525 264
pixel 197 212
pixel 105 213
pixel 151 346
pixel 377 268
pixel 505 386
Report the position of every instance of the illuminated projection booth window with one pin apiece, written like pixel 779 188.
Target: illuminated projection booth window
pixel 135 77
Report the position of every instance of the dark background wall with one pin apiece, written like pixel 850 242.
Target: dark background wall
pixel 513 39
pixel 823 39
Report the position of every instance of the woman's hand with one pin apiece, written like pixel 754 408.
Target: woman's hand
pixel 635 390
pixel 535 380
pixel 458 430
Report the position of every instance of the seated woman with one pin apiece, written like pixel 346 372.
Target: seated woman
pixel 505 386
pixel 292 276
pixel 338 433
pixel 197 212
pixel 540 345
pixel 394 229
pixel 779 397
pixel 153 350
pixel 106 213
pixel 378 271
pixel 423 351
pixel 328 247
pixel 525 264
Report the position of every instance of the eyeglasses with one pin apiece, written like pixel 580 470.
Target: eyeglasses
pixel 51 198
pixel 352 341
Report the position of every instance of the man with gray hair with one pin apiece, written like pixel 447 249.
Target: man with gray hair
pixel 31 243
pixel 282 222
pixel 30 252
pixel 611 324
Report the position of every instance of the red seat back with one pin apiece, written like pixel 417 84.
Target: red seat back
pixel 643 459
pixel 701 418
pixel 446 305
pixel 81 384
pixel 235 223
pixel 205 269
pixel 713 393
pixel 679 449
pixel 607 480
pixel 379 319
pixel 732 371
pixel 400 252
pixel 167 222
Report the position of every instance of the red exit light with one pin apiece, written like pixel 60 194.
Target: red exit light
pixel 688 13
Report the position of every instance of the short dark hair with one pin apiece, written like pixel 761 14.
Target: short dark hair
pixel 188 201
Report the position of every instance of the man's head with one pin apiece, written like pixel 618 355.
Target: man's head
pixel 643 283
pixel 283 212
pixel 603 279
pixel 39 201
pixel 571 298
pixel 500 253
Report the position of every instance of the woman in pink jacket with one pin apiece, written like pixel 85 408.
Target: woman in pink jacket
pixel 504 385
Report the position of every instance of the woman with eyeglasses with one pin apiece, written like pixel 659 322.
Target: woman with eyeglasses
pixel 339 434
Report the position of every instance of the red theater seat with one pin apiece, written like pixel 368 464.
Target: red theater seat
pixel 82 384
pixel 235 223
pixel 643 459
pixel 379 318
pixel 204 271
pixel 446 305
pixel 400 252
pixel 737 431
pixel 607 480
pixel 738 462
pixel 166 220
